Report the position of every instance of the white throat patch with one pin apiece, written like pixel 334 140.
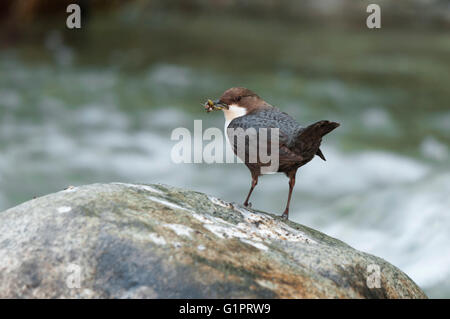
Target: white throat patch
pixel 233 112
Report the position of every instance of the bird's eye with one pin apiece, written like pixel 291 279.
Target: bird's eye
pixel 238 98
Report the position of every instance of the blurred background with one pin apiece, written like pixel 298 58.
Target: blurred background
pixel 98 104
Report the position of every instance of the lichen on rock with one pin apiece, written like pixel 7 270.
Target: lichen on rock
pixel 155 241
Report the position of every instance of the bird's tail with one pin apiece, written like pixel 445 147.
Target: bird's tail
pixel 317 130
pixel 311 136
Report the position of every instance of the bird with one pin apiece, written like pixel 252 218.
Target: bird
pixel 297 145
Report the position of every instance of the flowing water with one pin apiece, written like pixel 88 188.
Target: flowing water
pixel 102 109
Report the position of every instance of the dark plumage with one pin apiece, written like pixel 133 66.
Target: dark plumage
pixel 298 145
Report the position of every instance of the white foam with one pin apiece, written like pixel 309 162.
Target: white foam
pixel 434 149
pixel 406 225
pixel 343 174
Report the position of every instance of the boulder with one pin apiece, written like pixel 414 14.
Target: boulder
pixel 155 241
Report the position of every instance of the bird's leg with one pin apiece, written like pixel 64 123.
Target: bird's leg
pixel 254 182
pixel 291 187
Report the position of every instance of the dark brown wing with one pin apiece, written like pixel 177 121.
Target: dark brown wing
pixel 260 125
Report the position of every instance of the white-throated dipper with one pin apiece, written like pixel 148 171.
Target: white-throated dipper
pixel 297 145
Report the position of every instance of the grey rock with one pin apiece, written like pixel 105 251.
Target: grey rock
pixel 155 241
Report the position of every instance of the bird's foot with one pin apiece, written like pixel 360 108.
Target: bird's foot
pixel 249 205
pixel 285 216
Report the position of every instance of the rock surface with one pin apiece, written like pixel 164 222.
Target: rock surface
pixel 155 241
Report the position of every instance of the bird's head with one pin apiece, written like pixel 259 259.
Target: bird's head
pixel 235 102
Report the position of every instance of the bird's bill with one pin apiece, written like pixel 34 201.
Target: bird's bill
pixel 214 106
